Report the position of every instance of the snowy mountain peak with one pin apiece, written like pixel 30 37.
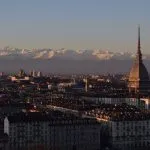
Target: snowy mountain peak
pixel 96 54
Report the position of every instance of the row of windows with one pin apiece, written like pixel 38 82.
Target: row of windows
pixel 133 134
pixel 136 144
pixel 141 128
pixel 56 139
pixel 133 123
pixel 54 122
pixel 30 126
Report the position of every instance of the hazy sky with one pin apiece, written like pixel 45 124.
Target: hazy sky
pixel 75 24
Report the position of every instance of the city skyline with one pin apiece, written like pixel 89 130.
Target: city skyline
pixel 76 24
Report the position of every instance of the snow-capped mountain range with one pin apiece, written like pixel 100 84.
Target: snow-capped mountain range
pixel 14 53
pixel 67 61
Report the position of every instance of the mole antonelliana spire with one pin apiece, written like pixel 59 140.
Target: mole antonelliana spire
pixel 138 76
pixel 139 54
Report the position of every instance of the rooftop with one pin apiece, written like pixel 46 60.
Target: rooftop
pixel 51 116
pixel 123 112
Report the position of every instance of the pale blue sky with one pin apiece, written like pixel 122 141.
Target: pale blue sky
pixel 75 24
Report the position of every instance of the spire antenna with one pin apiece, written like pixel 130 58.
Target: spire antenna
pixel 139 39
pixel 139 54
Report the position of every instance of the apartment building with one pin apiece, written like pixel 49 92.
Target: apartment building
pixel 127 127
pixel 52 131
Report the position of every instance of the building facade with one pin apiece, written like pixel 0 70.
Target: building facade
pixel 126 126
pixel 130 134
pixel 61 133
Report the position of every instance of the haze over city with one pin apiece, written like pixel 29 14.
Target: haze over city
pixel 74 75
pixel 80 24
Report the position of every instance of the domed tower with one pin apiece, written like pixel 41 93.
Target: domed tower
pixel 139 78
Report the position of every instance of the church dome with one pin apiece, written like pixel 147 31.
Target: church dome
pixel 138 72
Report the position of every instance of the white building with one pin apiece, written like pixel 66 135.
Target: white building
pixel 17 79
pixel 147 102
pixel 144 102
pixel 56 131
